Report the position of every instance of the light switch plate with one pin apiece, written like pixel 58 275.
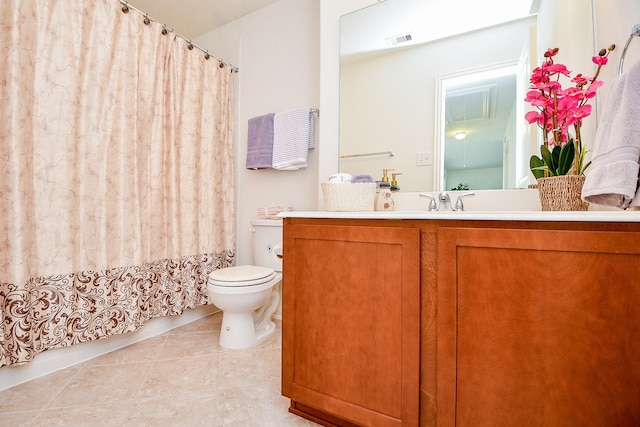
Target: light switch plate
pixel 424 158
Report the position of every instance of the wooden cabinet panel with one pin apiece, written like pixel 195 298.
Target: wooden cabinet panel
pixel 538 327
pixel 351 323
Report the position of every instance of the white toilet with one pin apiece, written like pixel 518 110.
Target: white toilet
pixel 246 293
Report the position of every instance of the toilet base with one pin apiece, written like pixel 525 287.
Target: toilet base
pixel 242 327
pixel 239 331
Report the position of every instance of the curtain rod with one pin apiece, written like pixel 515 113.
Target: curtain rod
pixel 390 153
pixel 126 7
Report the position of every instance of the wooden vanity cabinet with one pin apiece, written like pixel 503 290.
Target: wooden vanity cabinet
pixel 506 323
pixel 351 324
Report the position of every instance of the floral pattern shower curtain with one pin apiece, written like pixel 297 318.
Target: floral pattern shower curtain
pixel 116 173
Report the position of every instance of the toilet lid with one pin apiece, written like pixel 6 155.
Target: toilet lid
pixel 242 275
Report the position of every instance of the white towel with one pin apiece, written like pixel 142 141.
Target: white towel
pixel 293 136
pixel 612 179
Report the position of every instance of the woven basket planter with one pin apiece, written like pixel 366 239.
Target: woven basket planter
pixel 562 193
pixel 348 197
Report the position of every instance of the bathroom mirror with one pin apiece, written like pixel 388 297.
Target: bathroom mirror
pixel 404 83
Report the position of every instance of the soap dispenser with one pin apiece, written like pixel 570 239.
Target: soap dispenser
pixel 394 183
pixel 384 199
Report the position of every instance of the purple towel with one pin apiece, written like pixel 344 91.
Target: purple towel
pixel 260 142
pixel 362 178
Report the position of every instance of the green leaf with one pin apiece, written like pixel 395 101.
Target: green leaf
pixel 565 158
pixel 546 157
pixel 537 166
pixel 555 159
pixel 581 166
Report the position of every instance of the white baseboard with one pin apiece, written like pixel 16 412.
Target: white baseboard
pixel 61 358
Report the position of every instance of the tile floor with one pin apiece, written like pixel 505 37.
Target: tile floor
pixel 180 378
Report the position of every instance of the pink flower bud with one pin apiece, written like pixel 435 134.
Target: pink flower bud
pixel 600 60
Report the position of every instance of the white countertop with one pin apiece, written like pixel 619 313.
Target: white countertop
pixel 484 205
pixel 595 216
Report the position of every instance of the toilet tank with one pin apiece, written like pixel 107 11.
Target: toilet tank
pixel 267 243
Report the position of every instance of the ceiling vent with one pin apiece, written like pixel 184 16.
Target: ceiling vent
pixel 396 40
pixel 468 104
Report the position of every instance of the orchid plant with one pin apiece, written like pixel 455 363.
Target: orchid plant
pixel 557 111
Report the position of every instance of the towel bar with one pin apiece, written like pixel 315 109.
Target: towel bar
pixel 390 153
pixel 635 31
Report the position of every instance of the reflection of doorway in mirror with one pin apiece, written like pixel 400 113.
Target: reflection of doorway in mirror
pixel 481 104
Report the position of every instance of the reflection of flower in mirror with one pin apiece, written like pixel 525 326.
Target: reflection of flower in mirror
pixel 557 110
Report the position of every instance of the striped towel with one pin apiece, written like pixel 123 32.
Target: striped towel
pixel 293 136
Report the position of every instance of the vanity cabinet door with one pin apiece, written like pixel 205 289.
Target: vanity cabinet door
pixel 351 324
pixel 538 328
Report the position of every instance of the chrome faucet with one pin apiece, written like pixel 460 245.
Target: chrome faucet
pixel 445 200
pixel 433 206
pixel 459 206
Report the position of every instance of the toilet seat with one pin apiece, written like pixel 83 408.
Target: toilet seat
pixel 243 275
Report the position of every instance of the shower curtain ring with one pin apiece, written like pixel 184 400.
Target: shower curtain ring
pixel 206 55
pixel 221 64
pixel 125 7
pixel 164 30
pixel 189 45
pixel 146 21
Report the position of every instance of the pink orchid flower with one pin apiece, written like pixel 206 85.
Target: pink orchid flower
pixel 557 109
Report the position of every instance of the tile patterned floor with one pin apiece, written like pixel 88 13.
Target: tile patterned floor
pixel 180 378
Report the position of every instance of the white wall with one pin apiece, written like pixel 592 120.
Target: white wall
pixel 277 51
pixel 572 33
pixel 614 21
pixel 288 58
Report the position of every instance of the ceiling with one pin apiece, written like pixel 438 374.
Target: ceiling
pixel 192 18
pixel 378 27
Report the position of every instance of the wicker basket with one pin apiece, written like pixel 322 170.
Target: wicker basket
pixel 348 197
pixel 562 193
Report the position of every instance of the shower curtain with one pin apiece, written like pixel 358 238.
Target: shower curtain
pixel 116 173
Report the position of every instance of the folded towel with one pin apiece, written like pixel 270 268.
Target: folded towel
pixel 612 179
pixel 293 136
pixel 272 212
pixel 260 142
